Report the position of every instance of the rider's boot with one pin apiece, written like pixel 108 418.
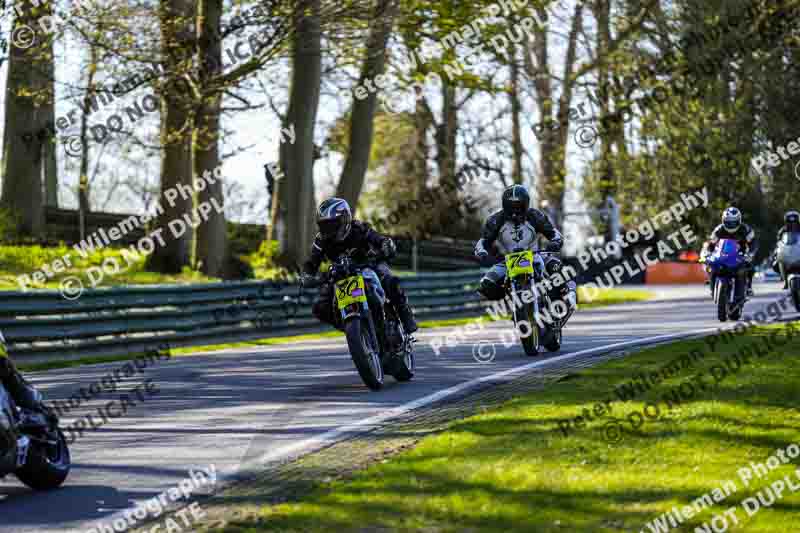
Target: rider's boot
pixel 406 315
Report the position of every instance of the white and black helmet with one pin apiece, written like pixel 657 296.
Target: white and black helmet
pixel 731 219
pixel 334 219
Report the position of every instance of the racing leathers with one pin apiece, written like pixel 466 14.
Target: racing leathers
pixel 501 235
pixel 748 244
pixel 359 242
pixel 22 392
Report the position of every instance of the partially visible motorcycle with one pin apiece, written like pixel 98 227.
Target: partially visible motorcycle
pixel 788 255
pixel 375 336
pixel 728 269
pixel 532 314
pixel 32 447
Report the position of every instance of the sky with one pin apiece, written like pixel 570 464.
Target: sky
pixel 251 138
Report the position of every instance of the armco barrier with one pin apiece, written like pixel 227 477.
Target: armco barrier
pixel 138 318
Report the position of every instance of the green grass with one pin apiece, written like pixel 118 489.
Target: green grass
pixel 605 297
pixel 511 469
pixel 25 260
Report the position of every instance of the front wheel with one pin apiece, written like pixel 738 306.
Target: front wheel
pixel 553 344
pixel 723 296
pixel 405 367
pixel 47 466
pixel 364 352
pixel 794 286
pixel 529 332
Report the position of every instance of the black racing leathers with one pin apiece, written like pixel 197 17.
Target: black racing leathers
pixel 361 239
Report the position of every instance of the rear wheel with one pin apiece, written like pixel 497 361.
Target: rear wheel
pixel 723 296
pixel 364 353
pixel 48 464
pixel 528 335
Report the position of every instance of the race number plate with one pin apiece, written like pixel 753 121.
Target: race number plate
pixel 350 290
pixel 519 263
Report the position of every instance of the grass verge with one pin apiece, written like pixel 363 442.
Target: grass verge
pixel 513 469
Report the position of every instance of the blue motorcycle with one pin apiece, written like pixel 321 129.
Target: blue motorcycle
pixel 728 269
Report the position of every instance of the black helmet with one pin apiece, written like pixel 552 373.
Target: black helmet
pixel 731 219
pixel 334 219
pixel 792 220
pixel 516 201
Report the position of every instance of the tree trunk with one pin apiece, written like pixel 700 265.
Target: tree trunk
pixel 363 111
pixel 176 18
pixel 553 144
pixel 516 112
pixel 49 164
pixel 446 135
pixel 212 239
pixel 296 189
pixel 28 89
pixel 84 205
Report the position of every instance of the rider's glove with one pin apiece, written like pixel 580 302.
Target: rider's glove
pixel 553 247
pixel 388 248
pixel 485 259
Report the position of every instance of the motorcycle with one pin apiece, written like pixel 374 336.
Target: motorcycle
pixel 375 336
pixel 534 312
pixel 728 269
pixel 788 256
pixel 32 447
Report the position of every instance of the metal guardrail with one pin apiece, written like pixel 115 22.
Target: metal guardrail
pixel 135 319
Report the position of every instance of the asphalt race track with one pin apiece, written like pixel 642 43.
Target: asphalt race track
pixel 267 404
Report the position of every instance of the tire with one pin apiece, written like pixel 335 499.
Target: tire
pixel 530 343
pixel 554 343
pixel 723 295
pixel 365 356
pixel 405 368
pixel 47 467
pixel 794 286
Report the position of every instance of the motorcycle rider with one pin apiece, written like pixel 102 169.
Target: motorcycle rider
pixel 22 393
pixel 516 225
pixel 733 228
pixel 791 224
pixel 340 233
